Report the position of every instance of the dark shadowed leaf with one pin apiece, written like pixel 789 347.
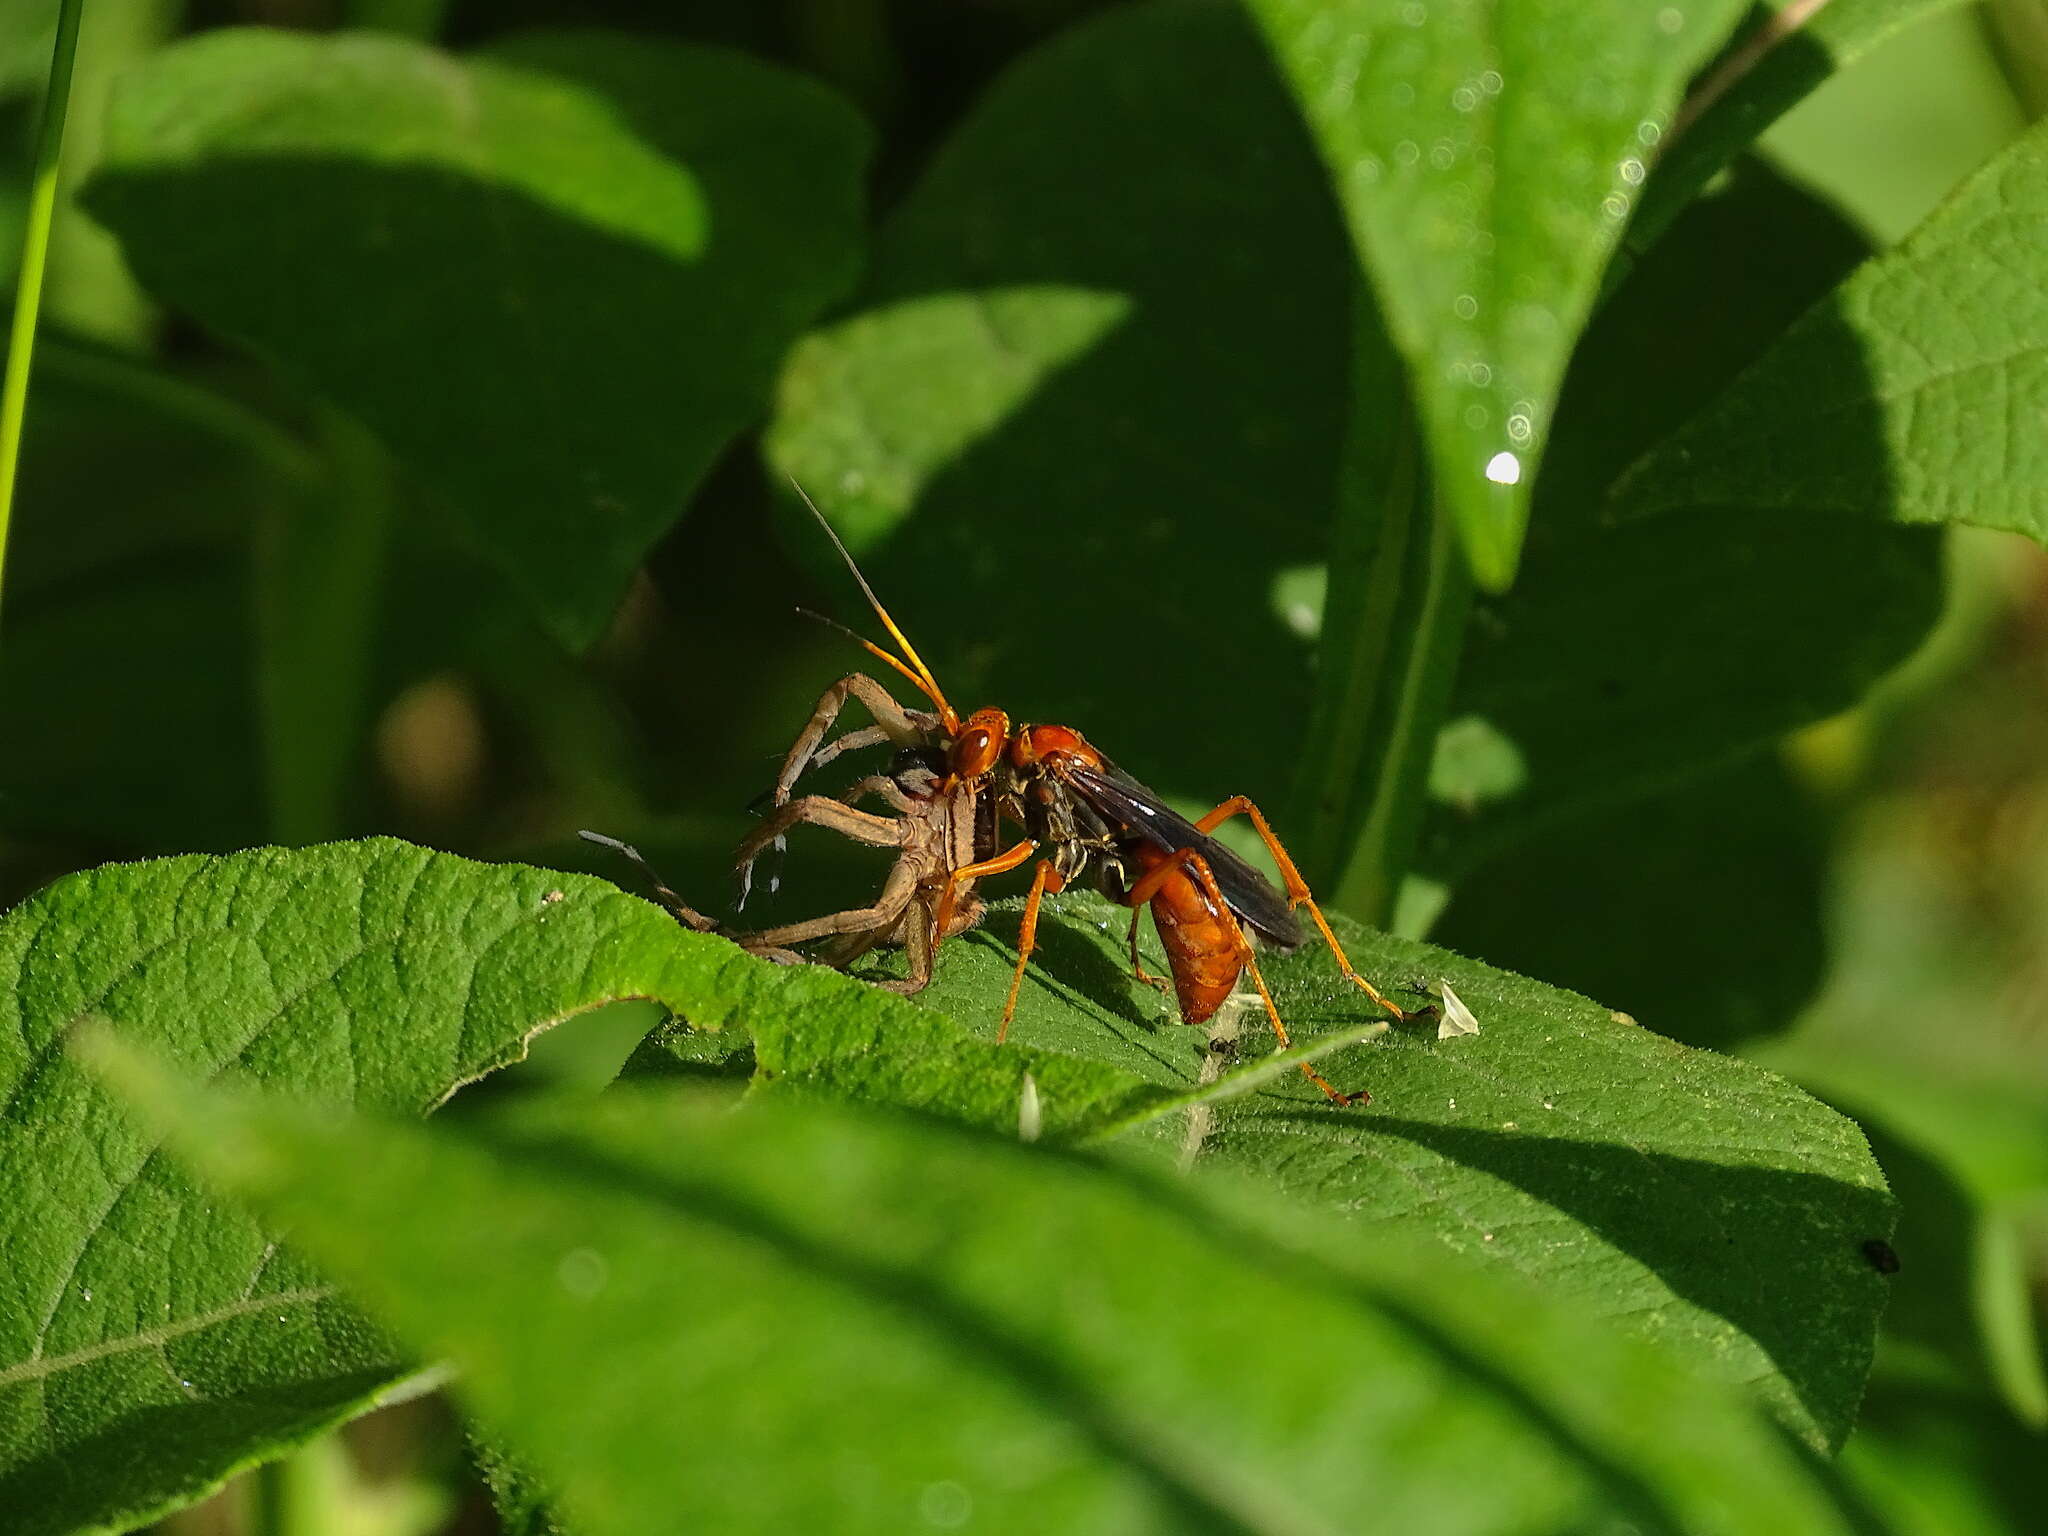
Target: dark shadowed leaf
pixel 1631 657
pixel 555 279
pixel 1023 320
pixel 1910 394
pixel 1698 908
pixel 128 632
pixel 1105 337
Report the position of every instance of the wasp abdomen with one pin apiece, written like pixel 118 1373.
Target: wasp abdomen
pixel 1202 944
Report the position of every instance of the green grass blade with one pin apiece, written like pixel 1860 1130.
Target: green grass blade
pixel 28 293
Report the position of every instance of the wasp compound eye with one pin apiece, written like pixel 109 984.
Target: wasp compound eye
pixel 978 748
pixel 976 751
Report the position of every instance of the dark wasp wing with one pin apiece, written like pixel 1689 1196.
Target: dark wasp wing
pixel 1124 802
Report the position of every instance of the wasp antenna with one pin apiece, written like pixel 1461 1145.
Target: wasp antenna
pixel 927 683
pixel 928 689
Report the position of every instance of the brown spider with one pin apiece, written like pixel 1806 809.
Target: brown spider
pixel 936 829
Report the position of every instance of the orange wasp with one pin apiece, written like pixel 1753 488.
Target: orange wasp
pixel 1091 818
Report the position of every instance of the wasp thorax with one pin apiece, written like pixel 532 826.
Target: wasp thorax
pixel 1034 743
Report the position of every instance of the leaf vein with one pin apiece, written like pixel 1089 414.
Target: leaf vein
pixel 155 1338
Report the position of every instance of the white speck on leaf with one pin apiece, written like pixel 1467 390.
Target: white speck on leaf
pixel 1457 1019
pixel 1030 1111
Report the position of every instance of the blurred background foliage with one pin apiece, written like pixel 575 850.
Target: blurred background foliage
pixel 1864 906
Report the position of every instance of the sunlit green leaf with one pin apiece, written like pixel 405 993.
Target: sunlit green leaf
pixel 1698 1200
pixel 819 1318
pixel 1487 156
pixel 153 1340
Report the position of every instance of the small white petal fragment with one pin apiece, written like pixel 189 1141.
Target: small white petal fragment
pixel 1030 1115
pixel 1504 469
pixel 1457 1019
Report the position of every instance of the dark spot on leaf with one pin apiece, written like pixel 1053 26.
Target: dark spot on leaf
pixel 1883 1257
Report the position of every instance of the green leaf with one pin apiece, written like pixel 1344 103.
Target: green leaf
pixel 815 1034
pixel 1487 157
pixel 1766 70
pixel 1969 1156
pixel 1695 1199
pixel 387 976
pixel 1911 393
pixel 1887 140
pixel 525 1506
pixel 1631 658
pixel 1699 908
pixel 127 612
pixel 822 1319
pixel 1020 319
pixel 555 279
pixel 1943 1460
pixel 153 1341
pixel 1105 332
pixel 28 28
pixel 2019 29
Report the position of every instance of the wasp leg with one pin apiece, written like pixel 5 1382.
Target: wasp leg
pixel 1163 983
pixel 1197 867
pixel 957 882
pixel 1298 894
pixel 1044 879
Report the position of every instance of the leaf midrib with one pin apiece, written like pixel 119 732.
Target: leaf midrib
pixel 152 1338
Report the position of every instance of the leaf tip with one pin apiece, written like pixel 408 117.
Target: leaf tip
pixel 1488 503
pixel 1492 541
